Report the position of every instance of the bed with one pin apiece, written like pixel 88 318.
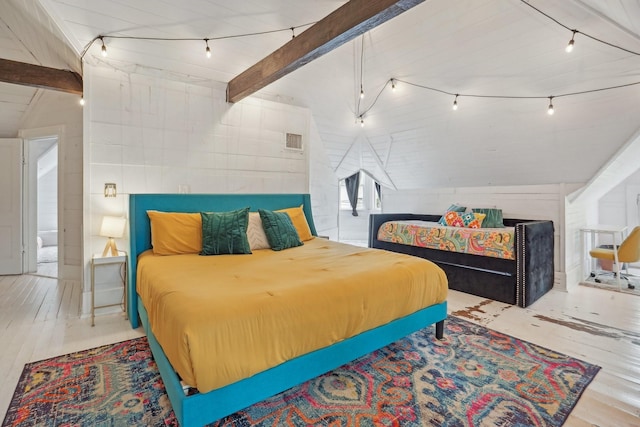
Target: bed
pixel 217 388
pixel 518 274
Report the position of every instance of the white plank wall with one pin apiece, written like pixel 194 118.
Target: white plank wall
pixel 156 135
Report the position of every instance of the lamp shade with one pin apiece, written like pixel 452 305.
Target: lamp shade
pixel 113 226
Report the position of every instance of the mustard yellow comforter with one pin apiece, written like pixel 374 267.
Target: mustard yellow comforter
pixel 223 318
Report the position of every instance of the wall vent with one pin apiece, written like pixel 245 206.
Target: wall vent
pixel 294 142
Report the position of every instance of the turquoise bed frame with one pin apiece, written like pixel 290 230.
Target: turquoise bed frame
pixel 203 408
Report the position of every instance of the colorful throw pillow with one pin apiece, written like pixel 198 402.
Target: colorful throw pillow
pixel 279 230
pixel 459 219
pixel 175 233
pixel 299 221
pixel 493 217
pixel 453 208
pixel 225 232
pixel 255 233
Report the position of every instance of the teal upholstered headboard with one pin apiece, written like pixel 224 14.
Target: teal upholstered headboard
pixel 140 228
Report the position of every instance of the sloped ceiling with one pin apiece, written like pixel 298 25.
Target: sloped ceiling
pixel 28 34
pixel 412 138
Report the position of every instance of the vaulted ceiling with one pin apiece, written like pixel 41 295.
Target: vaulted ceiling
pixel 412 137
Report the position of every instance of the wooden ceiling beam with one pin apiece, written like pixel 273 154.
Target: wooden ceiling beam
pixel 21 73
pixel 343 24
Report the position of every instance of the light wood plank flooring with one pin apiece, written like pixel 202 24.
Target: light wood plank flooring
pixel 39 318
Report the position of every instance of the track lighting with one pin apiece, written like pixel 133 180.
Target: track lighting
pixel 455 103
pixel 569 47
pixel 208 49
pixel 361 121
pixel 393 85
pixel 104 48
pixel 82 100
pixel 361 92
pixel 550 110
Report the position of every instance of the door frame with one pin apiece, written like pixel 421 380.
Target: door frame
pixel 13 260
pixel 29 196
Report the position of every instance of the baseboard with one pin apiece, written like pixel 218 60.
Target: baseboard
pixel 560 281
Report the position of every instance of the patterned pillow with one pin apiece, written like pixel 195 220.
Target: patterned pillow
pixel 255 233
pixel 493 218
pixel 459 219
pixel 225 232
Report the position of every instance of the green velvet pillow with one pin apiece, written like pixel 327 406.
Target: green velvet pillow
pixel 279 229
pixel 493 218
pixel 225 232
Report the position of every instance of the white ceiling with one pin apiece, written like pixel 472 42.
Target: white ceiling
pixel 411 138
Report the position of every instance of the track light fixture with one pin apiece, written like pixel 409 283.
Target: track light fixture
pixel 550 110
pixel 361 92
pixel 104 48
pixel 361 121
pixel 455 103
pixel 393 85
pixel 207 51
pixel 569 47
pixel 82 100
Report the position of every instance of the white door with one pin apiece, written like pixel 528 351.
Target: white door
pixel 10 206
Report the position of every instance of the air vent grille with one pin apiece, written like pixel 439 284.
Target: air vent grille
pixel 294 142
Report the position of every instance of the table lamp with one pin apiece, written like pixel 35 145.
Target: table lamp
pixel 113 228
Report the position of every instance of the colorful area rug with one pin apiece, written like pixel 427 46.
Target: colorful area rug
pixel 475 376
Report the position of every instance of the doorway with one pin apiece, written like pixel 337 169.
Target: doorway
pixel 42 236
pixel 43 157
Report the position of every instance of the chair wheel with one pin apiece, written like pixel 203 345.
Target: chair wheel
pixel 592 275
pixel 597 280
pixel 630 286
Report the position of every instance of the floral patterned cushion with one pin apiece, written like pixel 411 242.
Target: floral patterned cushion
pixel 459 219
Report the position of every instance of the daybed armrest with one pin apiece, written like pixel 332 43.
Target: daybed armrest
pixel 376 220
pixel 535 260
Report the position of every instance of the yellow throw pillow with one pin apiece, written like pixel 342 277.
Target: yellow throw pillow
pixel 299 221
pixel 175 233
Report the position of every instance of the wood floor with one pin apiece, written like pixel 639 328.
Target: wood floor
pixel 39 318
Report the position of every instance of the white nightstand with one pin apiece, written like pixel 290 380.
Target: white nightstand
pixel 108 277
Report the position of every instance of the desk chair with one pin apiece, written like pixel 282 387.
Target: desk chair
pixel 628 251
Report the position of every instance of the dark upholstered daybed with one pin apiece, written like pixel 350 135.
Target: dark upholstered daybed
pixel 519 281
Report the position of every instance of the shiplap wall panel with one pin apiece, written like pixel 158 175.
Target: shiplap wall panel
pixel 323 186
pixel 153 135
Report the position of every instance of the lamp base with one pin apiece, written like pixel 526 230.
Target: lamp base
pixel 110 249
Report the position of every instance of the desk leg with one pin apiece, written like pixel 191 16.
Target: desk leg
pixel 616 264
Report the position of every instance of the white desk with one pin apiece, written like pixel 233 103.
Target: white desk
pixel 589 242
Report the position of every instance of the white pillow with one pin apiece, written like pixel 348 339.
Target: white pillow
pixel 255 233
